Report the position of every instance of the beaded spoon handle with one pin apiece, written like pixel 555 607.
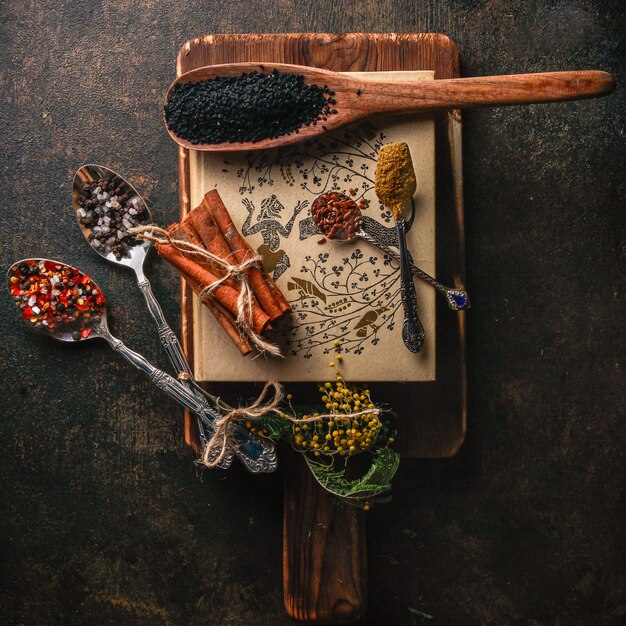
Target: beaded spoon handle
pixel 413 332
pixel 371 231
pixel 457 299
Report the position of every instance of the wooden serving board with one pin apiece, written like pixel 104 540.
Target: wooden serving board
pixel 324 554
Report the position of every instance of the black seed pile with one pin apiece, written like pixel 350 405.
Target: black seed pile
pixel 248 107
pixel 108 213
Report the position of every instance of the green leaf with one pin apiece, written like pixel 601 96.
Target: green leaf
pixel 420 613
pixel 376 481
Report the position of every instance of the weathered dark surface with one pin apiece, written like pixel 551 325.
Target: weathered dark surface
pixel 104 520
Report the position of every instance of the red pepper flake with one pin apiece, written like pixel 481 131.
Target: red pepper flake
pixel 35 288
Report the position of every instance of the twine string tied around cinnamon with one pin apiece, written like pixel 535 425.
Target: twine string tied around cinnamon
pixel 157 235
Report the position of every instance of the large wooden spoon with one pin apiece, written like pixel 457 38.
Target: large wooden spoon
pixel 358 98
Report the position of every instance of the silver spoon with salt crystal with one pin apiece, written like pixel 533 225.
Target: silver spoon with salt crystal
pixel 107 234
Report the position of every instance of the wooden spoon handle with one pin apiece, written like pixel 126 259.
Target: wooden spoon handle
pixel 460 93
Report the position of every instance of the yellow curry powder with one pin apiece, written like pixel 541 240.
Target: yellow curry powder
pixel 395 177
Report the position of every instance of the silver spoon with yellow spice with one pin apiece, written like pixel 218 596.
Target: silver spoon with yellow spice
pixel 395 186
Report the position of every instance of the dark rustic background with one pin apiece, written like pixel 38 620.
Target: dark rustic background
pixel 105 519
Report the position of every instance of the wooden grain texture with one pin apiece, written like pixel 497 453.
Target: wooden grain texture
pixel 319 585
pixel 324 556
pixel 357 98
pixel 440 429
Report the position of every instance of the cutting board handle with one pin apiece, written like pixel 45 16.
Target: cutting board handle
pixel 324 552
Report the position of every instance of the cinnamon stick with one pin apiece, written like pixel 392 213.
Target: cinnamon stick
pixel 223 317
pixel 186 232
pixel 224 294
pixel 201 221
pixel 241 250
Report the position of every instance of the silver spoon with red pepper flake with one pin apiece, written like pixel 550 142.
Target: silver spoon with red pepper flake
pixel 63 302
pixel 339 218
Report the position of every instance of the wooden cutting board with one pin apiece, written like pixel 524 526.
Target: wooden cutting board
pixel 324 550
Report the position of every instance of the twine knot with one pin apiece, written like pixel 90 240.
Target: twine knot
pixel 237 272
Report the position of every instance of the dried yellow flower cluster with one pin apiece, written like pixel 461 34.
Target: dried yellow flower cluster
pixel 339 435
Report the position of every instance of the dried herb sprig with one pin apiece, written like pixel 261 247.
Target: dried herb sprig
pixel 346 428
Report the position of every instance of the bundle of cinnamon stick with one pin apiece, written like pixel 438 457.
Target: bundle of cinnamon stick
pixel 210 226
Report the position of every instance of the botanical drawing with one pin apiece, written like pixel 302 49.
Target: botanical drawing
pixel 352 301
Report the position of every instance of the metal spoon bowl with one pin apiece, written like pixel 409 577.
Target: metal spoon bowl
pixel 92 172
pixel 257 454
pixel 456 298
pixel 70 331
pixel 134 259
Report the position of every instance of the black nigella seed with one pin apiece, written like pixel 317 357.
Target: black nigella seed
pixel 244 108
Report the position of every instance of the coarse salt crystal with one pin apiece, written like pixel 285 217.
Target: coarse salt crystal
pixel 36 310
pixel 32 300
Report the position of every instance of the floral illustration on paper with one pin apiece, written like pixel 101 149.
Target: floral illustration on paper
pixel 353 301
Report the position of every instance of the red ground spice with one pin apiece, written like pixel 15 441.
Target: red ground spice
pixel 337 215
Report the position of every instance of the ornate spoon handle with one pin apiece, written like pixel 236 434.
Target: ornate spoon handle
pixel 167 336
pixel 257 454
pixel 457 299
pixel 172 387
pixel 412 329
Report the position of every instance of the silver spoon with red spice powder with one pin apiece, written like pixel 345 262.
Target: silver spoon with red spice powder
pixel 339 218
